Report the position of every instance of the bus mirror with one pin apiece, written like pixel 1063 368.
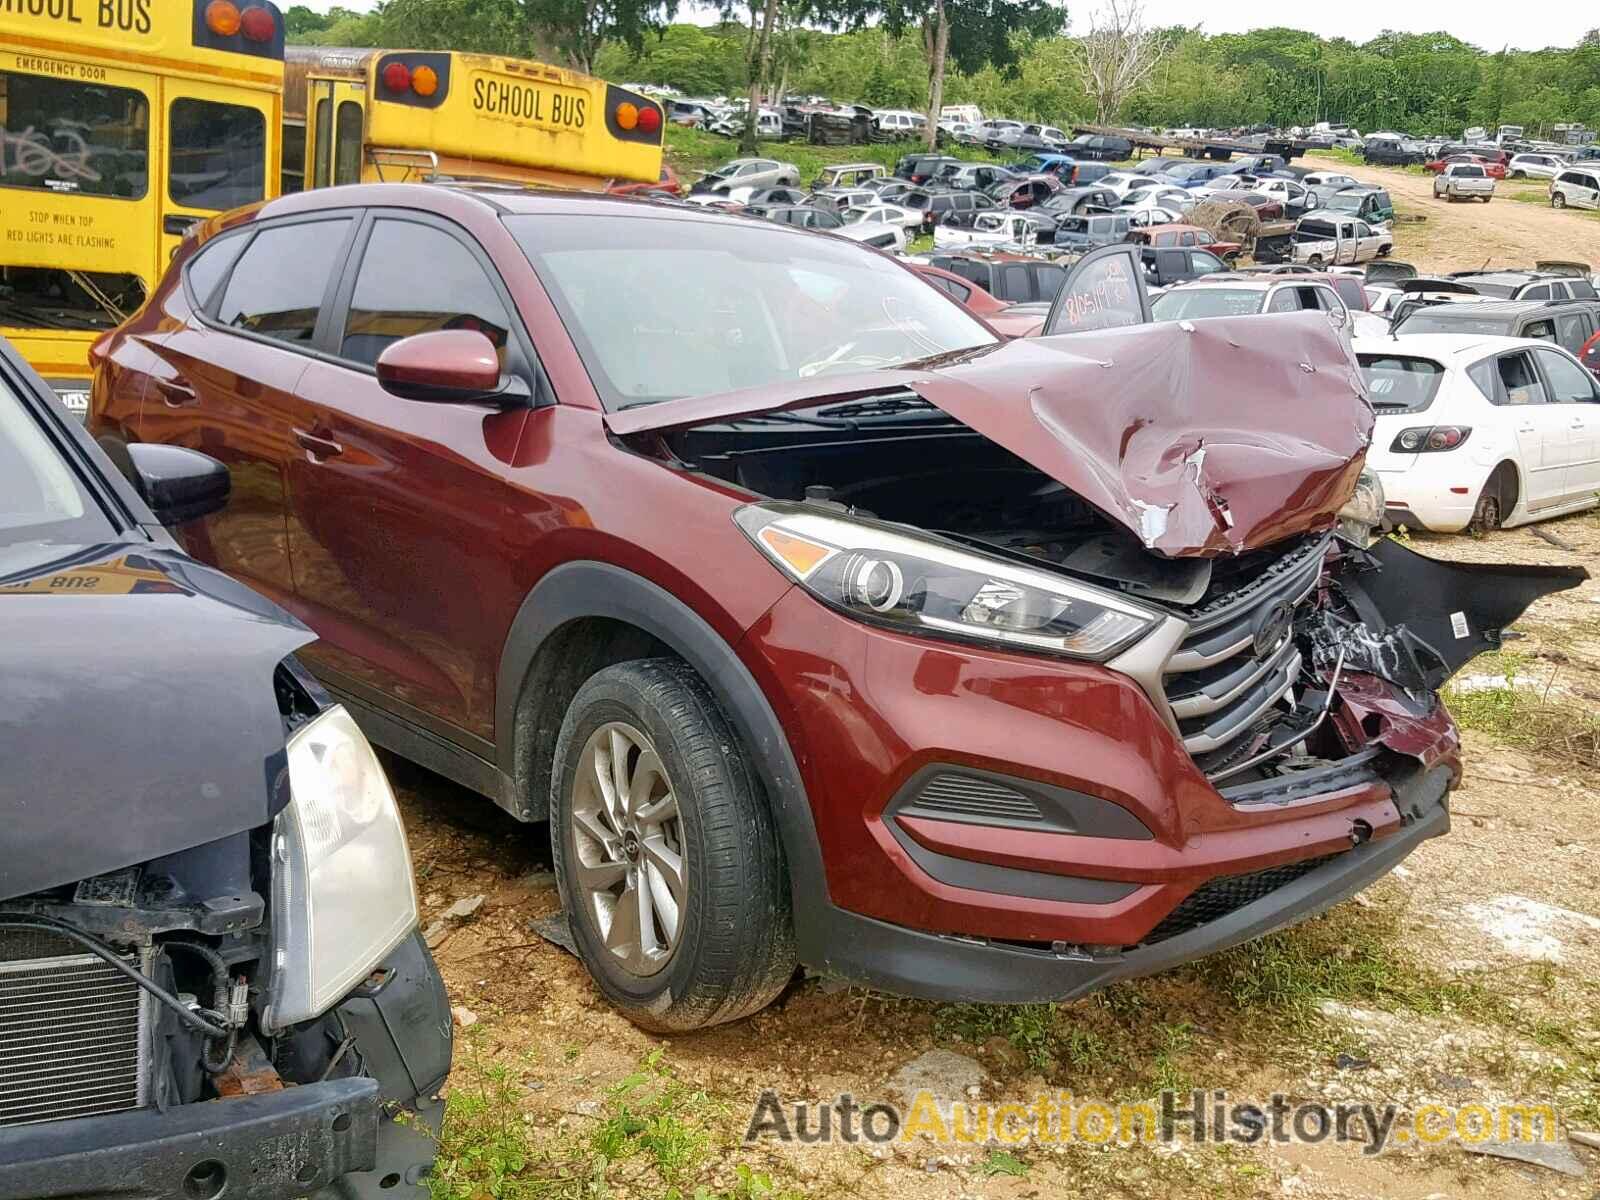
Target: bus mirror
pixel 447 366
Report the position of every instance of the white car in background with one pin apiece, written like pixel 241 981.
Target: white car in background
pixel 1480 432
pixel 1161 196
pixel 882 214
pixel 1534 166
pixel 889 238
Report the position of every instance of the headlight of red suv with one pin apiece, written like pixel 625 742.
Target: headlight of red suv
pixel 885 576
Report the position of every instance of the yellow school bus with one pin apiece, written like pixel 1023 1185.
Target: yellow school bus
pixel 411 115
pixel 122 122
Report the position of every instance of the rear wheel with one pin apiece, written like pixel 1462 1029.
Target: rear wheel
pixel 666 854
pixel 1498 497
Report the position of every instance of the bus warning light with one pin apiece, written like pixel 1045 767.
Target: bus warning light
pixel 397 77
pixel 649 118
pixel 424 81
pixel 627 115
pixel 222 18
pixel 257 24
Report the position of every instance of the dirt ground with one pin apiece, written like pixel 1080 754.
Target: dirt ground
pixel 1508 231
pixel 1470 976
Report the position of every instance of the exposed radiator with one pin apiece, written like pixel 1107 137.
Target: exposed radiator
pixel 73 1032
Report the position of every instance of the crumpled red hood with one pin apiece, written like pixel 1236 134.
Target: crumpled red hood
pixel 1203 437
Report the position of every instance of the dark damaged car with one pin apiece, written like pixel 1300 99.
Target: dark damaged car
pixel 821 625
pixel 211 983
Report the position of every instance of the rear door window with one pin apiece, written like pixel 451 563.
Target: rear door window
pixel 1540 291
pixel 1520 382
pixel 277 288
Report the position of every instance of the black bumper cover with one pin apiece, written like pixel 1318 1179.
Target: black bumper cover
pixel 279 1144
pixel 909 962
pixel 333 1140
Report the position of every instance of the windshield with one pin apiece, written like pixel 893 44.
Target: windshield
pixel 713 306
pixel 1345 201
pixel 1400 383
pixel 1182 304
pixel 41 498
pixel 1447 318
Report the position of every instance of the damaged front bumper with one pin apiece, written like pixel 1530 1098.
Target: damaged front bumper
pixel 281 1144
pixel 990 970
pixel 1050 827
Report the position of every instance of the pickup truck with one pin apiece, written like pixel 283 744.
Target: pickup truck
pixel 1464 181
pixel 1323 240
pixel 987 229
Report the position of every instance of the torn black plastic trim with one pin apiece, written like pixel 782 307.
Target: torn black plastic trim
pixel 1450 612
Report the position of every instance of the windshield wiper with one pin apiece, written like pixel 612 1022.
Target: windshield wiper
pixel 882 407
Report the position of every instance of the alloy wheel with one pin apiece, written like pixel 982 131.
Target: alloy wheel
pixel 629 848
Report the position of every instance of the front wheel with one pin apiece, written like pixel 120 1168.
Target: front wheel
pixel 666 854
pixel 1518 175
pixel 1558 201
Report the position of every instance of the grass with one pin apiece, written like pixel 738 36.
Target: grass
pixel 1528 718
pixel 653 1136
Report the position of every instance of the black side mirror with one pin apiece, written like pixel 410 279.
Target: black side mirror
pixel 179 485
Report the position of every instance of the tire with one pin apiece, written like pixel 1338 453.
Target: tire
pixel 1314 261
pixel 1557 200
pixel 1490 511
pixel 1518 175
pixel 732 949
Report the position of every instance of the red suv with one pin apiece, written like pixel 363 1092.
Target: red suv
pixel 820 624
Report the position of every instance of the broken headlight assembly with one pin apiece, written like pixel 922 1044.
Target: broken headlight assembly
pixel 342 892
pixel 918 585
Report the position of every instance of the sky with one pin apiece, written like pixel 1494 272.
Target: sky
pixel 1487 24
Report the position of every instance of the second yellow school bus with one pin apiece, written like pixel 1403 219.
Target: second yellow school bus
pixel 413 115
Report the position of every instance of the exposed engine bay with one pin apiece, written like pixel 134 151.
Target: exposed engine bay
pixel 1285 661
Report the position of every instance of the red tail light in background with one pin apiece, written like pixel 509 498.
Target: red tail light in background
pixel 397 77
pixel 257 24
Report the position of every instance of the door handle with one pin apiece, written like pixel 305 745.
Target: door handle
pixel 178 223
pixel 318 447
pixel 175 392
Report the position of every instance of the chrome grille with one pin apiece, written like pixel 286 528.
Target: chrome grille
pixel 1217 683
pixel 73 1037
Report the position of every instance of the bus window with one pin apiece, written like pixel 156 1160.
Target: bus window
pixel 347 146
pixel 61 135
pixel 219 155
pixel 417 279
pixel 319 169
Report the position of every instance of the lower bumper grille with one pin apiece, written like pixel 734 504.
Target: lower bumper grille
pixel 1220 897
pixel 73 1032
